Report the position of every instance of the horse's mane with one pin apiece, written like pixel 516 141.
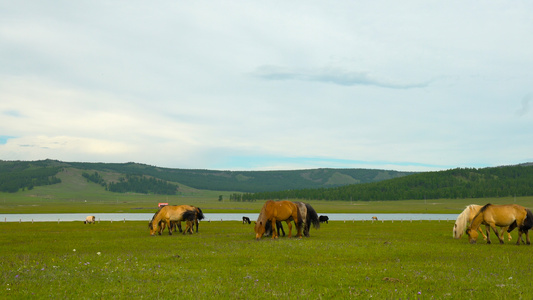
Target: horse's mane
pixel 479 213
pixel 483 208
pixel 151 224
pixel 312 216
pixel 262 214
pixel 462 220
pixel 460 223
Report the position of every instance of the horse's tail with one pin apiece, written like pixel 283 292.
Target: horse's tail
pixel 200 214
pixel 528 222
pixel 312 216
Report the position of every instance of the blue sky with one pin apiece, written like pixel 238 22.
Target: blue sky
pixel 245 85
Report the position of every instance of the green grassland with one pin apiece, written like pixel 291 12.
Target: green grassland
pixel 380 260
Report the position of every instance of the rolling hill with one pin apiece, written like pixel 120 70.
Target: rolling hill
pixel 135 177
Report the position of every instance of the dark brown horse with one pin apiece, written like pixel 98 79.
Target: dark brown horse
pixel 198 216
pixel 511 215
pixel 278 211
pixel 172 213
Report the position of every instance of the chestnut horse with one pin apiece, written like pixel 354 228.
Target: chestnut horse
pixel 278 211
pixel 511 215
pixel 466 218
pixel 172 213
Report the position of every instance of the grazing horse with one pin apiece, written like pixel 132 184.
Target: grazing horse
pixel 309 216
pixel 89 220
pixel 246 220
pixel 323 219
pixel 512 215
pixel 374 218
pixel 172 213
pixel 278 211
pixel 199 215
pixel 466 218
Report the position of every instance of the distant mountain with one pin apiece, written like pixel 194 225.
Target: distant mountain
pixel 15 175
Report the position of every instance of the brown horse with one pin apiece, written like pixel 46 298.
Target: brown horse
pixel 172 213
pixel 466 218
pixel 278 211
pixel 511 215
pixel 374 218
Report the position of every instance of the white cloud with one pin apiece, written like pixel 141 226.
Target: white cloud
pixel 278 84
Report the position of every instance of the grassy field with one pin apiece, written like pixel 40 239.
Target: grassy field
pixel 91 198
pixel 381 260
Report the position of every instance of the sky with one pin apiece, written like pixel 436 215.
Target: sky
pixel 268 85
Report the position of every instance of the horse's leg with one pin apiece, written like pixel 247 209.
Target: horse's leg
pixel 481 230
pixel 274 233
pixel 495 229
pixel 279 225
pixel 169 228
pixel 289 224
pixel 527 237
pixel 519 237
pixel 488 234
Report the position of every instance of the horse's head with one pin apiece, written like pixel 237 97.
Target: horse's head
pixel 259 230
pixel 153 228
pixel 472 234
pixel 457 233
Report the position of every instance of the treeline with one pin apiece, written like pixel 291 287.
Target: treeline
pixel 142 185
pixel 450 184
pixel 95 177
pixel 15 176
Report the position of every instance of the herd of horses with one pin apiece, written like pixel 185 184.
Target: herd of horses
pixel 171 216
pixel 269 223
pixel 507 217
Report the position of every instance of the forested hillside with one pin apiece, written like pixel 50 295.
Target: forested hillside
pixel 455 183
pixel 140 178
pixel 15 176
pixel 250 181
pixel 322 184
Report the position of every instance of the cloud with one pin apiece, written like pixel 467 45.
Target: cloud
pixel 524 109
pixel 331 75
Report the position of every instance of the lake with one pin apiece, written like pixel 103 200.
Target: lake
pixel 211 217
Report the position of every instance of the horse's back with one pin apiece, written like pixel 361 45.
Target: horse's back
pixel 504 213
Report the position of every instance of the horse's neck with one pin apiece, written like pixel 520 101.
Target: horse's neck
pixel 478 219
pixel 157 218
pixel 262 217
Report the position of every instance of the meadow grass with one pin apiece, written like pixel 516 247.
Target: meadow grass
pixel 381 260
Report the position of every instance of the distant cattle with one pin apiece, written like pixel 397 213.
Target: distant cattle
pixel 374 218
pixel 89 220
pixel 323 219
pixel 246 220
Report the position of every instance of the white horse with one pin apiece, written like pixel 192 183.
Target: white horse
pixel 89 220
pixel 466 217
